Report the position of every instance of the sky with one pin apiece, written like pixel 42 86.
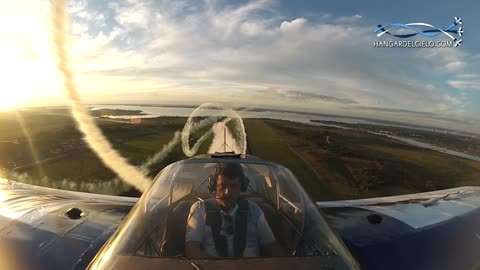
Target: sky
pixel 314 56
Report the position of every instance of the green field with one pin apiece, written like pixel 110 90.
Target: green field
pixel 353 165
pixel 63 159
pixel 357 164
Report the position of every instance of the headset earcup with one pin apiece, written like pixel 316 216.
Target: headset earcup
pixel 211 183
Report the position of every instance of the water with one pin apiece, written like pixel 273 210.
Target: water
pixel 185 112
pixel 294 117
pixel 430 146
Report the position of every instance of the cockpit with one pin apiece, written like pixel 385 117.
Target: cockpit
pixel 153 234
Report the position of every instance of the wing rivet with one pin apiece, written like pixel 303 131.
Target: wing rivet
pixel 74 213
pixel 374 219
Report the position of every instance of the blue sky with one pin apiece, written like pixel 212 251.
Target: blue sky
pixel 305 55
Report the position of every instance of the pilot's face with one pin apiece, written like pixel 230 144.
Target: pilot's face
pixel 227 192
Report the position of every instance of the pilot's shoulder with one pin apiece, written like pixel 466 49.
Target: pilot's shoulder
pixel 254 209
pixel 198 206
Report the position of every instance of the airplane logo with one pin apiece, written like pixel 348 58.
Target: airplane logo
pixel 458 20
pixel 457 42
pixel 431 31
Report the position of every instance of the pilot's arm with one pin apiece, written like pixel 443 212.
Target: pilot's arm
pixel 269 244
pixel 195 232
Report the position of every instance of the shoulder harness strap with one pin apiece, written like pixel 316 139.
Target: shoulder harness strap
pixel 241 221
pixel 214 219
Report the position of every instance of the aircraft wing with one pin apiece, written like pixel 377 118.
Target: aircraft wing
pixel 432 230
pixel 37 233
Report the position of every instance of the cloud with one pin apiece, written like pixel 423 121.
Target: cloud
pixel 251 28
pixel 233 46
pixel 451 61
pixel 452 99
pixel 453 66
pixel 351 19
pixel 136 15
pixel 468 76
pixel 294 25
pixel 208 49
pixel 395 110
pixel 303 95
pixel 429 115
pixel 465 85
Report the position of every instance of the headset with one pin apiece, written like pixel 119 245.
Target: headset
pixel 212 178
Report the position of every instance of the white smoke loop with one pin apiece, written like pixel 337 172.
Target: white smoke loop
pixel 239 131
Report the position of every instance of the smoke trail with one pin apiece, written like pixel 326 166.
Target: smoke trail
pixel 99 143
pixel 223 139
pixel 167 148
pixel 239 130
pixel 203 123
pixel 189 127
pixel 111 187
pixel 157 157
pixel 85 123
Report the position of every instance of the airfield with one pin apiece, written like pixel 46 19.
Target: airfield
pixel 43 147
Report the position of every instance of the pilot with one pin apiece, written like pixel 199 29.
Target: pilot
pixel 228 226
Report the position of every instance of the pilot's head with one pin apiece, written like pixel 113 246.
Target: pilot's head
pixel 229 181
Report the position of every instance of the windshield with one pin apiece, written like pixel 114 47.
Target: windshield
pixel 296 221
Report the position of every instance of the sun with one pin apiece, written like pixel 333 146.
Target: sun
pixel 18 86
pixel 15 86
pixel 9 101
pixel 26 74
pixel 27 63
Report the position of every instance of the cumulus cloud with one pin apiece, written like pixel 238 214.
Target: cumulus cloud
pixel 350 19
pixel 234 47
pixel 209 50
pixel 251 28
pixel 294 25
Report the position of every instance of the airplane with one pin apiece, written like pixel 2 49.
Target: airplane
pixel 458 20
pixel 458 42
pixel 44 228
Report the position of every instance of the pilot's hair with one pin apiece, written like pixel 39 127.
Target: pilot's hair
pixel 229 170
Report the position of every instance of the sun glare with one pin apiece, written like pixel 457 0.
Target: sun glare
pixel 26 75
pixel 9 101
pixel 27 67
pixel 19 86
